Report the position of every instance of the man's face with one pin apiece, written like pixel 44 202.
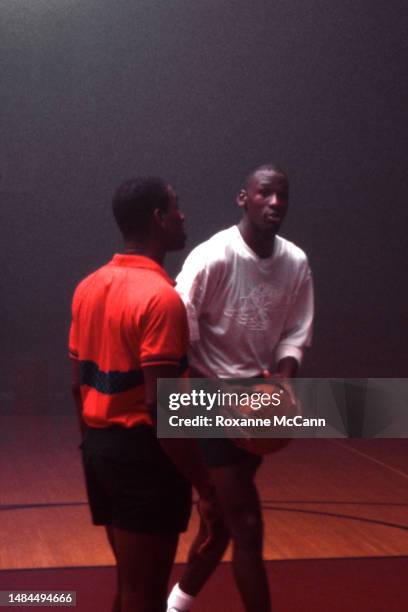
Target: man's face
pixel 173 223
pixel 265 200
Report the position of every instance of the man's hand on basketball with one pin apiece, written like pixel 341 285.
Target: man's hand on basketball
pixel 289 405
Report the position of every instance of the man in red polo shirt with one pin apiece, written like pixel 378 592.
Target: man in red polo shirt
pixel 128 329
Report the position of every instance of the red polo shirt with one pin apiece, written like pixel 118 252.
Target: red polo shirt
pixel 126 315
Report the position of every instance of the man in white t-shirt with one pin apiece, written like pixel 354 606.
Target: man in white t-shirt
pixel 249 299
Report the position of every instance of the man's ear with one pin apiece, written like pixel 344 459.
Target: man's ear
pixel 158 216
pixel 242 198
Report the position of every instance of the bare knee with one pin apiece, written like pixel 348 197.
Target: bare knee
pixel 247 531
pixel 214 540
pixel 220 535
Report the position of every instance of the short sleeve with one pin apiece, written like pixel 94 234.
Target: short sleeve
pixel 297 333
pixel 163 330
pixel 196 284
pixel 73 334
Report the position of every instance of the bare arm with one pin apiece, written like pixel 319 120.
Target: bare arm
pixel 76 392
pixel 298 328
pixel 287 367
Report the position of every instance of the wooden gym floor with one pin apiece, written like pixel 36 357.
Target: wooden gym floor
pixel 321 498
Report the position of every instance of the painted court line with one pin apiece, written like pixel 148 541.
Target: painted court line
pixel 372 459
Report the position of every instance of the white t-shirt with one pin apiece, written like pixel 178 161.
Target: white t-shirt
pixel 245 313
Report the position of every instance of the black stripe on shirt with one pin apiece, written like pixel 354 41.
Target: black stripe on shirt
pixel 115 381
pixel 111 382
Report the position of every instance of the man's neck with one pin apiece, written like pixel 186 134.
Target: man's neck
pixel 151 250
pixel 262 244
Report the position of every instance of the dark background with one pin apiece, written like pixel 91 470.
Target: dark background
pixel 200 92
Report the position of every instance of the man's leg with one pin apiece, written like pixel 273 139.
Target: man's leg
pixel 212 538
pixel 242 518
pixel 144 564
pixel 130 481
pixel 204 555
pixel 116 601
pixel 239 501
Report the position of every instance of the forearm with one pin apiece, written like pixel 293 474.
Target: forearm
pixel 76 394
pixel 287 367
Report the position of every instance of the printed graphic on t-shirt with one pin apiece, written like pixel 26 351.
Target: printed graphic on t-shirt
pixel 255 309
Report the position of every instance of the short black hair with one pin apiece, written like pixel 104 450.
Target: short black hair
pixel 267 168
pixel 134 202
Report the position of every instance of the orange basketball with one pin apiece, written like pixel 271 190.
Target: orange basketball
pixel 286 407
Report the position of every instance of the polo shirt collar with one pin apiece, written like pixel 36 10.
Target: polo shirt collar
pixel 140 261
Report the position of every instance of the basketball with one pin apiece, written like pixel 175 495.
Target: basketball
pixel 285 407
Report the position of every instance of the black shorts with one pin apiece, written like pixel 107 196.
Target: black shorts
pixel 132 484
pixel 218 452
